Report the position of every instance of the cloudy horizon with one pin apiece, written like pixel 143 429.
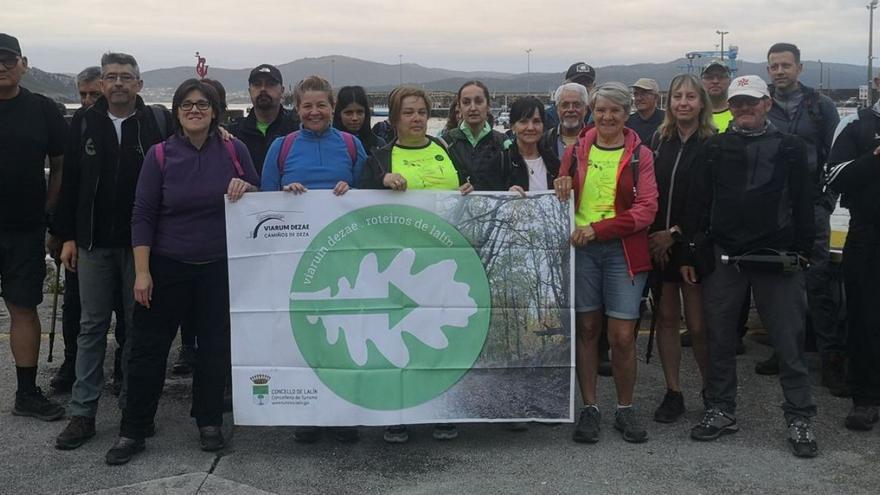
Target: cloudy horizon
pixel 65 36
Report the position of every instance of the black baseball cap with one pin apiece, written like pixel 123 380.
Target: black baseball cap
pixel 9 44
pixel 580 70
pixel 266 70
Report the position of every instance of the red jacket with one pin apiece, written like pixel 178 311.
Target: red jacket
pixel 632 216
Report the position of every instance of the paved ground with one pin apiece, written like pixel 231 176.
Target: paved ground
pixel 485 459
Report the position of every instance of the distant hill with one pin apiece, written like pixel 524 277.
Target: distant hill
pixel 59 87
pixel 159 84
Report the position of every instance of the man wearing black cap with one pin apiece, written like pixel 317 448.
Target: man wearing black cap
pixel 267 119
pixel 31 128
pixel 580 73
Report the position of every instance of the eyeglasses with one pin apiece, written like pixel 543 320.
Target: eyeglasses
pixel 202 105
pixel 124 77
pixel 9 62
pixel 715 77
pixel 746 101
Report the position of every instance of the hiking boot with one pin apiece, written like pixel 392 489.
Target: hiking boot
pixel 347 434
pixel 123 450
pixel 186 359
pixel 861 418
pixel 671 408
pixel 445 431
pixel 211 438
pixel 685 338
pixel 306 434
pixel 801 438
pixel 768 367
pixel 76 433
pixel 715 423
pixel 36 405
pixel 626 422
pixel 63 380
pixel 587 428
pixel 834 374
pixel 604 368
pixel 396 434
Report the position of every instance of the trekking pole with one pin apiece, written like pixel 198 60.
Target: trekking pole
pixel 656 289
pixel 56 290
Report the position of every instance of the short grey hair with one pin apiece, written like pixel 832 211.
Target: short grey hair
pixel 574 87
pixel 121 59
pixel 615 92
pixel 88 75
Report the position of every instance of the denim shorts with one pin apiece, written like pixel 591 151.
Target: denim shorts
pixel 601 279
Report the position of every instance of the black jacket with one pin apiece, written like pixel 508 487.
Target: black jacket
pixel 482 164
pixel 675 166
pixel 754 192
pixel 379 164
pixel 516 171
pixel 257 144
pixel 854 171
pixel 100 175
pixel 814 121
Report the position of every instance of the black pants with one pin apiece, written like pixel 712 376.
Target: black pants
pixel 70 316
pixel 179 289
pixel 781 301
pixel 861 271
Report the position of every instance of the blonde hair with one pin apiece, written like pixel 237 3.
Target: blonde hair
pixel 313 83
pixel 705 124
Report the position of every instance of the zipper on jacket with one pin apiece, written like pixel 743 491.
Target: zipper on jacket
pixel 92 206
pixel 672 186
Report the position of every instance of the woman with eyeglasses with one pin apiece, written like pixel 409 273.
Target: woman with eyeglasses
pixel 611 176
pixel 179 239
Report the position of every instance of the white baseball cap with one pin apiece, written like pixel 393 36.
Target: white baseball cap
pixel 752 86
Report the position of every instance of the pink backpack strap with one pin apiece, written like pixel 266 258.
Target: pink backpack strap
pixel 160 156
pixel 286 146
pixel 352 148
pixel 233 153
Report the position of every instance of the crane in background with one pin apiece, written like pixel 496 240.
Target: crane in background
pixel 703 57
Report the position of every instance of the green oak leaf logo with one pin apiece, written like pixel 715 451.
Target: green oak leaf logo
pixel 390 306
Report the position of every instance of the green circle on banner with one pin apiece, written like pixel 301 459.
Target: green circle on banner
pixel 390 306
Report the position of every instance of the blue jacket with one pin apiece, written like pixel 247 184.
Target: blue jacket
pixel 317 161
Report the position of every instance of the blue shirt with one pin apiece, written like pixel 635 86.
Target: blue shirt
pixel 317 161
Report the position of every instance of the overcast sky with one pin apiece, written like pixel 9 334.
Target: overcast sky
pixel 65 36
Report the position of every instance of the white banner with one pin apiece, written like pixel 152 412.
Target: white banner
pixel 378 308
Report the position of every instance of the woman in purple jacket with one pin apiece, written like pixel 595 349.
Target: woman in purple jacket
pixel 179 237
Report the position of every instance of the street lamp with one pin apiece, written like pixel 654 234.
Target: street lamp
pixel 529 71
pixel 400 67
pixel 722 33
pixel 871 7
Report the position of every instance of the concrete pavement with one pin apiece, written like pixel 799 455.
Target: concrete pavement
pixel 484 459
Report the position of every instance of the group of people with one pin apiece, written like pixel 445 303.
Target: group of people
pixel 683 201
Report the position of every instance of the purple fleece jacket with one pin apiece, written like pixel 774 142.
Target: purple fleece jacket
pixel 179 208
